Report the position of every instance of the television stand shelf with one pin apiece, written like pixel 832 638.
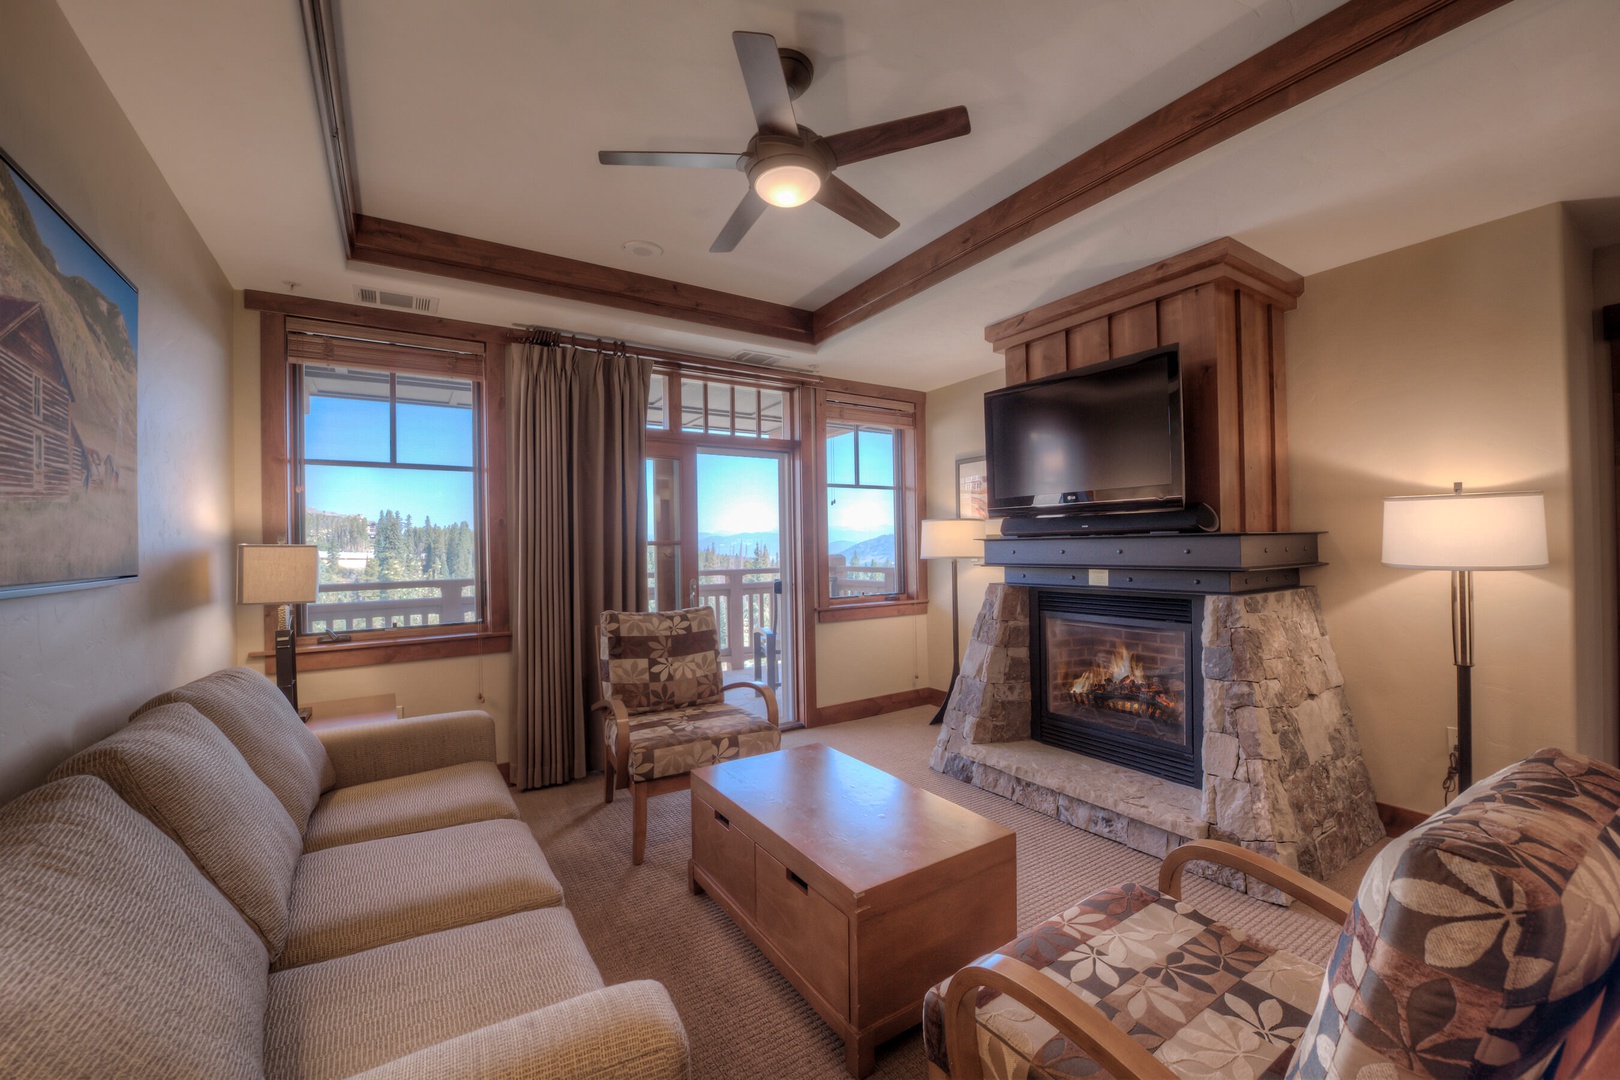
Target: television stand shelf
pixel 1182 563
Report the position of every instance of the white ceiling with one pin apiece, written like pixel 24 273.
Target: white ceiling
pixel 484 118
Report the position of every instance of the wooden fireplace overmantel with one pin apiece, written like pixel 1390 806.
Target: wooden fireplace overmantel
pixel 1223 303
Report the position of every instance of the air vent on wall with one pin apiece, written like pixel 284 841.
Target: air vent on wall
pixel 422 305
pixel 760 359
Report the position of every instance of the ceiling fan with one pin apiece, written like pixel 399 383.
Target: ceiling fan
pixel 787 164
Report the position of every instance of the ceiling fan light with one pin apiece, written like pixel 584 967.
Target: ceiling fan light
pixel 787 184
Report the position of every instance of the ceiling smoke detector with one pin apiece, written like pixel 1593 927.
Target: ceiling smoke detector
pixel 644 248
pixel 422 305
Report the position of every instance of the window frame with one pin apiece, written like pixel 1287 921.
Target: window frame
pixel 899 410
pixel 424 340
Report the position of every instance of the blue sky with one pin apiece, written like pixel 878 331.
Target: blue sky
pixel 738 494
pixel 358 430
pixel 76 258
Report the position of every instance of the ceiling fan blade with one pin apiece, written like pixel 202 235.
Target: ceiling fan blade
pixel 767 87
pixel 695 160
pixel 895 135
pixel 742 219
pixel 850 204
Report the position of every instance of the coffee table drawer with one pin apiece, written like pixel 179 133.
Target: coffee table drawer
pixel 809 932
pixel 723 850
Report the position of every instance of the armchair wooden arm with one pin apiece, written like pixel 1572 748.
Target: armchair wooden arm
pixel 617 768
pixel 1078 1021
pixel 764 691
pixel 1312 894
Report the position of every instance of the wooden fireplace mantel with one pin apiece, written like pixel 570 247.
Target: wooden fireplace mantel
pixel 1224 304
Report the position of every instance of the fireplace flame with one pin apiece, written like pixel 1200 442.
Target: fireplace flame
pixel 1120 683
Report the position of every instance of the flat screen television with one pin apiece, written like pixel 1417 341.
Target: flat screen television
pixel 1100 439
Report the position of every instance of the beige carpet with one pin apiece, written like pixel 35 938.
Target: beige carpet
pixel 745 1020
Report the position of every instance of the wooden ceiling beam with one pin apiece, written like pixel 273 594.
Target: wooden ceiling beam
pixel 1349 40
pixel 429 251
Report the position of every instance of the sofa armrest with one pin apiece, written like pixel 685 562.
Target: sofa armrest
pixel 361 753
pixel 629 1032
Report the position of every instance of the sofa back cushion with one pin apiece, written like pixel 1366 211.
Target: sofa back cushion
pixel 263 726
pixel 1478 938
pixel 184 776
pixel 659 660
pixel 119 959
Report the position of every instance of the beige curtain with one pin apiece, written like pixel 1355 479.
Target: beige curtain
pixel 578 444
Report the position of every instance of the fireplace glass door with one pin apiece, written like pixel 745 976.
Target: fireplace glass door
pixel 1115 680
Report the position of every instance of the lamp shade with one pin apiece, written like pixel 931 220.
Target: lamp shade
pixel 1488 530
pixel 276 573
pixel 952 538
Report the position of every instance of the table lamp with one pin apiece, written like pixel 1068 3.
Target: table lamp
pixel 1464 532
pixel 282 574
pixel 953 539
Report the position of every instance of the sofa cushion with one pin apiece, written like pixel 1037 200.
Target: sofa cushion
pixel 671 743
pixel 1480 936
pixel 436 799
pixel 359 896
pixel 1201 998
pixel 661 659
pixel 342 1016
pixel 183 774
pixel 262 724
pixel 119 958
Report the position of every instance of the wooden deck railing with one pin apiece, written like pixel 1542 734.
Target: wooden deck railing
pixel 423 603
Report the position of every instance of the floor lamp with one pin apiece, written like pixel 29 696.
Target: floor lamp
pixel 953 539
pixel 282 574
pixel 1486 530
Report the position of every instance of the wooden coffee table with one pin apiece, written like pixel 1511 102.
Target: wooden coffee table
pixel 860 888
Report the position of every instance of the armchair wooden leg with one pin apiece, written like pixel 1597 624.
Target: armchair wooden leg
pixel 638 840
pixel 608 778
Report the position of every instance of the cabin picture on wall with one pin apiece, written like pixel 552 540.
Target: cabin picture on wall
pixel 68 500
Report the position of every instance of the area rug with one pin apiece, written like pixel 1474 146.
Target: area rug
pixel 745 1021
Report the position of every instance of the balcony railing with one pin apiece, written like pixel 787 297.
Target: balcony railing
pixel 427 603
pixel 744 601
pixel 861 580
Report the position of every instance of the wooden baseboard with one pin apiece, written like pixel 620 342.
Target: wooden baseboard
pixel 874 706
pixel 1398 819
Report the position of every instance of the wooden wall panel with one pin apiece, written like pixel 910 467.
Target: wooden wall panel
pixel 1088 344
pixel 1048 355
pixel 1189 318
pixel 1133 329
pixel 1279 420
pixel 1017 364
pixel 1228 409
pixel 1254 380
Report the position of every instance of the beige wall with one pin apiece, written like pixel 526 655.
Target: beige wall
pixel 955 430
pixel 73 665
pixel 422 687
pixel 1457 359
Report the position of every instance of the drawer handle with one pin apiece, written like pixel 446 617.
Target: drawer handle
pixel 799 882
pixel 725 823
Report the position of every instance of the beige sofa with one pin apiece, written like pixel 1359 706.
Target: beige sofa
pixel 214 892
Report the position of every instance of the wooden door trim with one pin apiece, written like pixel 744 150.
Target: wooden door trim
pixel 1348 41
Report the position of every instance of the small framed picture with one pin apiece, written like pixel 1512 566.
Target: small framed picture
pixel 972 497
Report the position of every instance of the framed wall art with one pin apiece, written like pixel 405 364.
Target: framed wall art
pixel 68 331
pixel 972 500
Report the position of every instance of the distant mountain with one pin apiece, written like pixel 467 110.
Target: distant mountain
pixel 878 551
pixel 847 537
pixel 740 543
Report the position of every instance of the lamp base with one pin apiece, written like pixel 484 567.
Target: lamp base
pixel 287 666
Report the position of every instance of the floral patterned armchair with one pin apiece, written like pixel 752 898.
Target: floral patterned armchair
pixel 1481 944
pixel 664 712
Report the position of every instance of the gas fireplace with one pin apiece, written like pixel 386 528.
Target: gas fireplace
pixel 1117 678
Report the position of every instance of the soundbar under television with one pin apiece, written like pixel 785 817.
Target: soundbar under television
pixel 1105 439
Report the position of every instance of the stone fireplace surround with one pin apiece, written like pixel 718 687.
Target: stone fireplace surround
pixel 1283 771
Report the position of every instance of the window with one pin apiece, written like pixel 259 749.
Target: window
pixel 39 451
pixel 39 398
pixel 710 406
pixel 870 480
pixel 387 476
pixel 384 448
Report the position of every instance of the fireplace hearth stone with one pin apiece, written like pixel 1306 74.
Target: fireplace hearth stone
pixel 1283 771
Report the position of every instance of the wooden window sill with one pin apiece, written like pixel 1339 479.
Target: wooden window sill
pixel 885 610
pixel 313 656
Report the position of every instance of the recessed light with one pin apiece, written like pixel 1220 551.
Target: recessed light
pixel 644 248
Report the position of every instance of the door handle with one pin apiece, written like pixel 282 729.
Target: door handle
pixel 692 594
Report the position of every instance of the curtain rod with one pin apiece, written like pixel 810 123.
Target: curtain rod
pixel 550 336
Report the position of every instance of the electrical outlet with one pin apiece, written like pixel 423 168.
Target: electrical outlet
pixel 1451 738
